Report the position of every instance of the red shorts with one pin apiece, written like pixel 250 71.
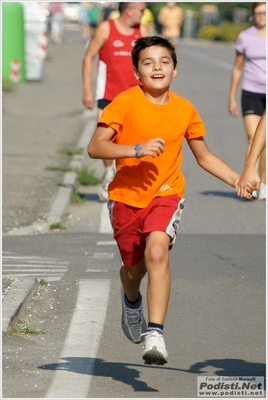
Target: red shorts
pixel 131 225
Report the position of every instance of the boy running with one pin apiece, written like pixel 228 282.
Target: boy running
pixel 143 130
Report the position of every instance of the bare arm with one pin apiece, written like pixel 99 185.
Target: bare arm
pixel 211 163
pixel 250 173
pixel 99 38
pixel 102 147
pixel 235 80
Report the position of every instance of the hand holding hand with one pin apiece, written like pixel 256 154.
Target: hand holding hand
pixel 244 187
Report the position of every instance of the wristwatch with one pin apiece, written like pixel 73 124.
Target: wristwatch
pixel 137 148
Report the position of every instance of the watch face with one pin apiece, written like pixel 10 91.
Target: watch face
pixel 137 148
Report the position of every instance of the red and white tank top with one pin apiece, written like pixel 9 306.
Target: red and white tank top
pixel 115 70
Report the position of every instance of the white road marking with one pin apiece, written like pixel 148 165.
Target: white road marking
pixel 35 270
pixel 104 256
pixel 73 377
pixel 105 223
pixel 106 243
pixel 96 270
pixel 33 267
pixel 14 265
pixel 31 259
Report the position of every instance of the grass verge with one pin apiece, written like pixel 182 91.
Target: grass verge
pixel 77 198
pixel 70 152
pixel 84 177
pixel 57 225
pixel 26 328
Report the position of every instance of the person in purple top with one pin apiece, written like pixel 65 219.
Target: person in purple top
pixel 250 62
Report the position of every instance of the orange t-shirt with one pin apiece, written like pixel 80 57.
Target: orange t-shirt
pixel 136 120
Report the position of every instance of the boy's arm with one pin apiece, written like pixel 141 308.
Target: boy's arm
pixel 211 163
pixel 102 147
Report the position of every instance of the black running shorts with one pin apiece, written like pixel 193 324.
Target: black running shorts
pixel 102 103
pixel 253 103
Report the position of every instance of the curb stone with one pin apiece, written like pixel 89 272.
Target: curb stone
pixel 16 301
pixel 63 198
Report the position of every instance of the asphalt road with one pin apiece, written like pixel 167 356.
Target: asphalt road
pixel 216 319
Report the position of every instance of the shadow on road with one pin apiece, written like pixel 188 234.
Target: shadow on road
pixel 229 367
pixel 91 197
pixel 128 375
pixel 219 193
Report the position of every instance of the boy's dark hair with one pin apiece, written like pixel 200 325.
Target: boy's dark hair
pixel 148 41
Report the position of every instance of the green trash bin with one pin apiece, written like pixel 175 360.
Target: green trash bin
pixel 13 52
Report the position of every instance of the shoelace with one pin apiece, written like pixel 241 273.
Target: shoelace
pixel 134 317
pixel 153 334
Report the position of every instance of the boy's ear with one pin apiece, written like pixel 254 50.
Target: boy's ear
pixel 175 73
pixel 136 74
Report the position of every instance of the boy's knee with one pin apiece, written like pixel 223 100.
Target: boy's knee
pixel 135 272
pixel 157 253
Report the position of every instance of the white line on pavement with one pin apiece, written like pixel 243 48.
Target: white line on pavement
pixel 96 270
pixel 103 256
pixel 73 377
pixel 105 223
pixel 106 243
pixel 30 259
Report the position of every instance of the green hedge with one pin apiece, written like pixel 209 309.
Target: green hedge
pixel 225 32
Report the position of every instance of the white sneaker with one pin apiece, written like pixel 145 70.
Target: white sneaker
pixel 254 194
pixel 103 190
pixel 262 192
pixel 133 322
pixel 155 349
pixel 103 193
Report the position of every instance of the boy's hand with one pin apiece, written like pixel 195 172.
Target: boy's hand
pixel 153 148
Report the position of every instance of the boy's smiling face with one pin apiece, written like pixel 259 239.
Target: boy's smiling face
pixel 155 69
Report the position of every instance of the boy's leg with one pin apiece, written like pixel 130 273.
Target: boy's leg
pixel 157 265
pixel 132 321
pixel 131 278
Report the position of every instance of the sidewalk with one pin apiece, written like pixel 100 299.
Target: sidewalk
pixel 40 118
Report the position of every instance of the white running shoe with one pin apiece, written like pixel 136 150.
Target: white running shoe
pixel 262 192
pixel 254 195
pixel 132 322
pixel 103 190
pixel 155 349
